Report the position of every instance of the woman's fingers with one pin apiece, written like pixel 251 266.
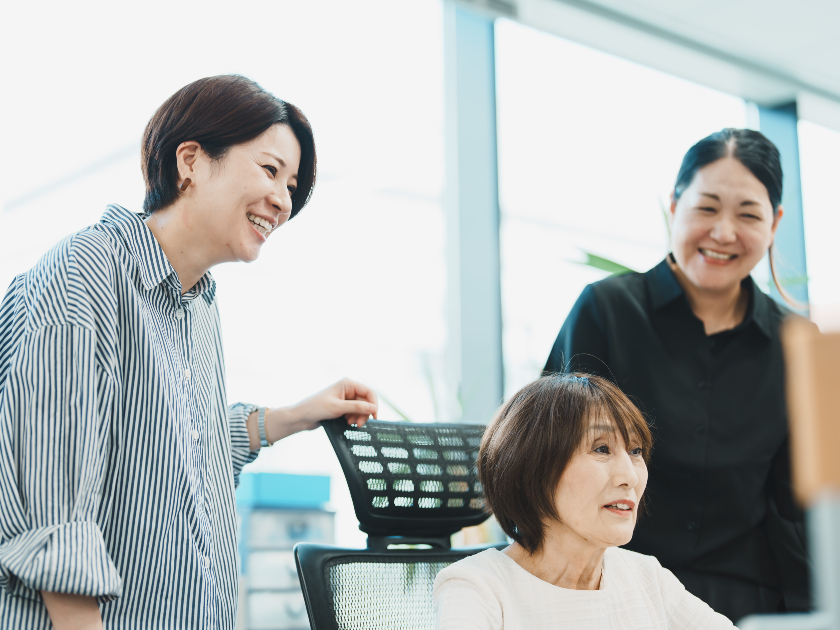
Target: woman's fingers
pixel 360 402
pixel 357 421
pixel 358 391
pixel 345 398
pixel 356 411
pixel 354 391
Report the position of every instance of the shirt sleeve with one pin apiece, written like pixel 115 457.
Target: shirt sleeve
pixel 55 411
pixel 240 443
pixel 684 611
pixel 460 604
pixel 787 535
pixel 581 344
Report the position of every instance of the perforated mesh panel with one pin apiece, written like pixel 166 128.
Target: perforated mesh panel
pixel 382 595
pixel 410 470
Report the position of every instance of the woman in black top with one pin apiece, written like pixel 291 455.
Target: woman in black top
pixel 696 344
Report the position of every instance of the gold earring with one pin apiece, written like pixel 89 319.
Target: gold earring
pixel 184 186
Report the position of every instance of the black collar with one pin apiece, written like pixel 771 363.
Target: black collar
pixel 662 286
pixel 760 308
pixel 663 289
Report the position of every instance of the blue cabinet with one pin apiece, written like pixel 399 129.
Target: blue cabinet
pixel 276 511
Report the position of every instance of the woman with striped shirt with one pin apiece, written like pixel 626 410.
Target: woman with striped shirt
pixel 119 455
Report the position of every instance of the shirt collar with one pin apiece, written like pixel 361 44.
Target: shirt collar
pixel 155 268
pixel 759 308
pixel 662 285
pixel 663 288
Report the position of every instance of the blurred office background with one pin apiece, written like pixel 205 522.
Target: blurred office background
pixel 588 108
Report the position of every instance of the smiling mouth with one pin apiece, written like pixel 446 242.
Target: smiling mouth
pixel 708 253
pixel 261 225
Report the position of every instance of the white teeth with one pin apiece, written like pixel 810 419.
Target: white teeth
pixel 716 255
pixel 619 506
pixel 263 226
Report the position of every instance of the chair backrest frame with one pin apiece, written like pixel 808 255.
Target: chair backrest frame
pixel 419 456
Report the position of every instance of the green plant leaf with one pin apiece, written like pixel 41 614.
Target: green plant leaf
pixel 605 264
pixel 388 402
pixel 792 282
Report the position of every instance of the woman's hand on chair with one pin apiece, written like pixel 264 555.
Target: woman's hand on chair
pixel 346 398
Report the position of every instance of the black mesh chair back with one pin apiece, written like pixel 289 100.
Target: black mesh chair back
pixel 411 479
pixel 412 485
pixel 366 589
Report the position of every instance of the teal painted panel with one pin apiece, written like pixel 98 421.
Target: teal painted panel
pixel 779 124
pixel 281 490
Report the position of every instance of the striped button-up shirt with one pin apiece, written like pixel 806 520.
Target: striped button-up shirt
pixel 118 453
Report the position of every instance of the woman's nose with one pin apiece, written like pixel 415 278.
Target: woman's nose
pixel 282 201
pixel 625 472
pixel 723 231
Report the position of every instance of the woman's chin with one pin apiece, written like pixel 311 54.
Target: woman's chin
pixel 714 280
pixel 249 252
pixel 621 536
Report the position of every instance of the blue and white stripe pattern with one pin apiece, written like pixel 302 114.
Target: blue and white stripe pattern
pixel 118 453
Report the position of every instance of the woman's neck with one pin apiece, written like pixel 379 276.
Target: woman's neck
pixel 564 560
pixel 180 239
pixel 718 310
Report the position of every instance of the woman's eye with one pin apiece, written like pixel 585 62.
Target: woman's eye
pixel 291 189
pixel 636 452
pixel 709 210
pixel 752 217
pixel 604 449
pixel 270 169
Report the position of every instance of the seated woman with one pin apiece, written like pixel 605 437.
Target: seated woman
pixel 563 466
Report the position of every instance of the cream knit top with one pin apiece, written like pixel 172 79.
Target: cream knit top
pixel 491 591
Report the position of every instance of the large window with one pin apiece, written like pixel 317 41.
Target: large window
pixel 589 147
pixel 820 163
pixel 355 285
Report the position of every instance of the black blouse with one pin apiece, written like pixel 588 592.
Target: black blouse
pixel 719 492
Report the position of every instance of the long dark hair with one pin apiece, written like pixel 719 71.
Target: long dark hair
pixel 753 150
pixel 218 113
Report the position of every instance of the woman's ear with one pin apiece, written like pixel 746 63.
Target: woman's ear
pixel 669 216
pixel 186 156
pixel 673 207
pixel 776 218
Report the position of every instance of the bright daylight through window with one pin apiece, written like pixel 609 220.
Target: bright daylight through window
pixel 355 285
pixel 589 147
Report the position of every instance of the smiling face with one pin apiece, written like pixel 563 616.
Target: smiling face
pixel 722 225
pixel 598 495
pixel 238 202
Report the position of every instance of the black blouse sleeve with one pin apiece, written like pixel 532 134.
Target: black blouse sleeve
pixel 581 345
pixel 781 485
pixel 787 535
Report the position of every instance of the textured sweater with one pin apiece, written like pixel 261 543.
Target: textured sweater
pixel 491 591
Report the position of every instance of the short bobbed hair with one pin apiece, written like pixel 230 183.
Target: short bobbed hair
pixel 533 437
pixel 218 113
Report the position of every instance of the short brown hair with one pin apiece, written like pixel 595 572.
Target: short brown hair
pixel 218 113
pixel 531 440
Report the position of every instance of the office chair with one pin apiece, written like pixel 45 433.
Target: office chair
pixel 412 485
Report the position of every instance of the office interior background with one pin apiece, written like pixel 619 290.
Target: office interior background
pixel 588 120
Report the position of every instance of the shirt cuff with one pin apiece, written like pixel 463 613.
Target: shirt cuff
pixel 66 558
pixel 240 443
